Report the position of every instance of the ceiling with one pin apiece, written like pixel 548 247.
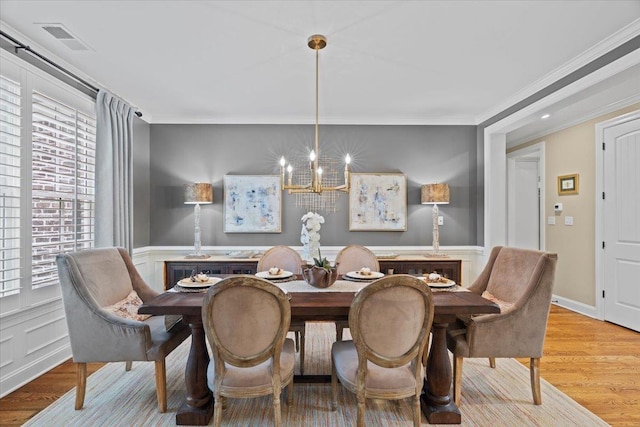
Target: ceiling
pixel 386 62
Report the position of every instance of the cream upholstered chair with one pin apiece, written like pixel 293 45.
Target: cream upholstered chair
pixel 94 279
pixel 353 258
pixel 290 260
pixel 521 282
pixel 390 322
pixel 246 320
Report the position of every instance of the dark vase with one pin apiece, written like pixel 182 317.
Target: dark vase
pixel 320 277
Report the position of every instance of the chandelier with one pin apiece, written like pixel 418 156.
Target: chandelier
pixel 310 182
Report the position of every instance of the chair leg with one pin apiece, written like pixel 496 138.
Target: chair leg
pixel 334 387
pixel 127 366
pixel 277 415
pixel 302 338
pixel 81 384
pixel 457 379
pixel 534 369
pixel 416 411
pixel 297 337
pixel 492 362
pixel 338 332
pixel 161 385
pixel 217 407
pixel 290 393
pixel 361 407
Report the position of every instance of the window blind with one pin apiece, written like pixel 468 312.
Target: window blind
pixel 63 184
pixel 10 179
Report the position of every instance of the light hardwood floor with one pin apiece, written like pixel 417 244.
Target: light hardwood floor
pixel 596 363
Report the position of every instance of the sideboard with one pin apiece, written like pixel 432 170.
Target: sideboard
pixel 179 268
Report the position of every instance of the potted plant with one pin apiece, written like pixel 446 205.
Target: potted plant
pixel 320 274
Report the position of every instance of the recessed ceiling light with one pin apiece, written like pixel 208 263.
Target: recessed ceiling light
pixel 545 116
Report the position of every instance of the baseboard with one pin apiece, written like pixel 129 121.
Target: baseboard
pixel 576 306
pixel 28 373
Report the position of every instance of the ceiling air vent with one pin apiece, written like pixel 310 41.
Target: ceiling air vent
pixel 64 36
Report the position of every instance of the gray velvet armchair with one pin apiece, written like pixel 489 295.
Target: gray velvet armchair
pixel 521 282
pixel 94 279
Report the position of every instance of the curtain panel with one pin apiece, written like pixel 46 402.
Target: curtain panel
pixel 114 172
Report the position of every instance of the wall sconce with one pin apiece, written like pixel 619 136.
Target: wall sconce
pixel 435 194
pixel 198 194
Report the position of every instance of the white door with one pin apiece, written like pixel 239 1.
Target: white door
pixel 621 224
pixel 524 199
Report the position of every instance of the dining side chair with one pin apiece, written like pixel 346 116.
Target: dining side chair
pixel 520 281
pixel 93 282
pixel 246 320
pixel 290 260
pixel 390 320
pixel 353 258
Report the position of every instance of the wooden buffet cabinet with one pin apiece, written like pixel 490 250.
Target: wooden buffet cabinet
pixel 179 268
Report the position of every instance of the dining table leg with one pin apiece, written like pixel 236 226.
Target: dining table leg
pixel 198 407
pixel 436 400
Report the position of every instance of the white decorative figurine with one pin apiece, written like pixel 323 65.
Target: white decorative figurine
pixel 310 235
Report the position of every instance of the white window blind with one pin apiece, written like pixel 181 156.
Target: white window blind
pixel 10 179
pixel 63 184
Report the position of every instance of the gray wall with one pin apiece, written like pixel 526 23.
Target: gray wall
pixel 141 183
pixel 182 154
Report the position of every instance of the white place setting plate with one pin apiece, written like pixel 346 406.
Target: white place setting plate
pixel 442 283
pixel 371 276
pixel 267 275
pixel 187 283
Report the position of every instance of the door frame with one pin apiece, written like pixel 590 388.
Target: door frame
pixel 600 259
pixel 535 151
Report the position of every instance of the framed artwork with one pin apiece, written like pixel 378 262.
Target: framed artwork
pixel 378 202
pixel 568 184
pixel 252 204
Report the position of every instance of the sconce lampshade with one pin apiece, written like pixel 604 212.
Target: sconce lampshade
pixel 198 193
pixel 437 194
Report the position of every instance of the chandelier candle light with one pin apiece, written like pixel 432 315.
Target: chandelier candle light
pixel 198 194
pixel 435 194
pixel 315 42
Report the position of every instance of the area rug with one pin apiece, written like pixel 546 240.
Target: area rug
pixel 490 397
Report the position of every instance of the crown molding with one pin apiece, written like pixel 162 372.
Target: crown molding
pixel 624 35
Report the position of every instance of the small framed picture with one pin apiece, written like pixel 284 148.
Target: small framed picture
pixel 568 184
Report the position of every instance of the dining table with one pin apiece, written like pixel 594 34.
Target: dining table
pixel 330 304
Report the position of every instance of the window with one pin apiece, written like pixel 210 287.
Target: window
pixel 10 118
pixel 63 183
pixel 47 180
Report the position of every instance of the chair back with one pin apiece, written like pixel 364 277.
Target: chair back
pixel 390 321
pixel 246 320
pixel 355 257
pixel 282 257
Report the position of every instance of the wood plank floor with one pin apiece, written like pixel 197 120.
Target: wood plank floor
pixel 596 363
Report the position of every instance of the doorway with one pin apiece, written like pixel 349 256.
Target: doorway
pixel 618 220
pixel 525 197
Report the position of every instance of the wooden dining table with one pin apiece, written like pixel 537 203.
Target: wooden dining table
pixel 436 400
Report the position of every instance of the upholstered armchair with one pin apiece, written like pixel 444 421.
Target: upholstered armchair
pixel 390 320
pixel 94 281
pixel 288 259
pixel 521 282
pixel 246 320
pixel 353 258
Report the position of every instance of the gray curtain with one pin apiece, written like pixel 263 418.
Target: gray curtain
pixel 114 172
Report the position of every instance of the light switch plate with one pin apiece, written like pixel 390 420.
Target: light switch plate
pixel 568 220
pixel 440 220
pixel 551 220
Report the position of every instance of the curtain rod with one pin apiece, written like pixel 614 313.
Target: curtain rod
pixel 26 48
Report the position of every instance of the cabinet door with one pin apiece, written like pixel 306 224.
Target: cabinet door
pixel 178 270
pixel 241 268
pixel 390 267
pixel 211 268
